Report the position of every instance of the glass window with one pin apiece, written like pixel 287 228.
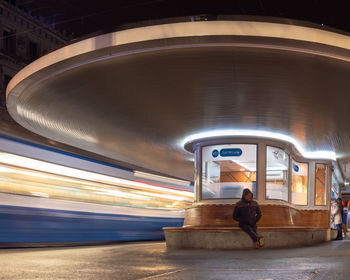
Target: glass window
pixel 227 170
pixel 33 51
pixel 9 41
pixel 277 165
pixel 320 184
pixel 335 187
pixel 299 183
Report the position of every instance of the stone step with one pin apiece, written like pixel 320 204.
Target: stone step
pixel 234 238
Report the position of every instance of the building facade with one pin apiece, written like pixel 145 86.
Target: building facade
pixel 23 39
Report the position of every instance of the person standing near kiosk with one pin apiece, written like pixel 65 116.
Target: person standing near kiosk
pixel 337 211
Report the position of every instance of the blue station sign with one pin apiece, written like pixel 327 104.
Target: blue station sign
pixel 233 152
pixel 296 168
pixel 215 153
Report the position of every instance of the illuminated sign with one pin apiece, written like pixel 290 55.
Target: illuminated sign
pixel 231 152
pixel 296 168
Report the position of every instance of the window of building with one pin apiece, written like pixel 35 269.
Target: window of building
pixel 33 51
pixel 7 79
pixel 277 166
pixel 335 187
pixel 299 183
pixel 228 169
pixel 320 184
pixel 9 41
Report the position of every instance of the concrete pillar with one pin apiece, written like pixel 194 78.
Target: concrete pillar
pixel 290 172
pixel 261 166
pixel 311 183
pixel 197 173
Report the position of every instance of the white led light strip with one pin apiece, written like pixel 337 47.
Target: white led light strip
pixel 330 155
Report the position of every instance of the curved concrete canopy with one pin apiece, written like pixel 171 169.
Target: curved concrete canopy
pixel 135 95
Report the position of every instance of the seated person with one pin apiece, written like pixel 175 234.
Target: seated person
pixel 247 213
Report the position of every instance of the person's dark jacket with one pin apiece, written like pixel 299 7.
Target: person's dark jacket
pixel 247 212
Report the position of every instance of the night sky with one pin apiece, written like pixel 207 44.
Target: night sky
pixel 81 17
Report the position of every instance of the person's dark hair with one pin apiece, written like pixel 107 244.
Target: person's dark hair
pixel 339 199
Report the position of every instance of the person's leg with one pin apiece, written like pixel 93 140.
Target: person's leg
pixel 255 229
pixel 340 233
pixel 250 231
pixel 261 239
pixel 345 230
pixel 336 226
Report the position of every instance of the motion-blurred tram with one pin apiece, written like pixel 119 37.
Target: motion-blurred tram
pixel 52 197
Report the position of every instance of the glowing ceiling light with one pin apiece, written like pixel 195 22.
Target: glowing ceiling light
pixel 261 134
pixel 245 166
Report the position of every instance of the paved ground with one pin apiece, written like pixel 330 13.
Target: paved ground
pixel 153 261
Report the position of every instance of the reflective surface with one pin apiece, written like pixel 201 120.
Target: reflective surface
pixel 277 168
pixel 320 184
pixel 300 174
pixel 153 261
pixel 139 104
pixel 227 170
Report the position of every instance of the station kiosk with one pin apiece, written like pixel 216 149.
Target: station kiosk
pixel 293 193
